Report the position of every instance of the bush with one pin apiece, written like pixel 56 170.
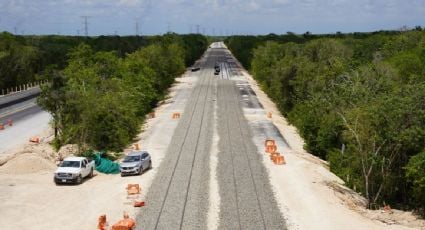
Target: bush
pixel 415 171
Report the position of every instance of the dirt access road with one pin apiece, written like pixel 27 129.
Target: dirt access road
pixel 210 170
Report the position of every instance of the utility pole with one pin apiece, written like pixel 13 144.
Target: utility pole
pixel 168 27
pixel 197 29
pixel 137 28
pixel 86 25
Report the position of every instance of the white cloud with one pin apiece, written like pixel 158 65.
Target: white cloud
pixel 294 15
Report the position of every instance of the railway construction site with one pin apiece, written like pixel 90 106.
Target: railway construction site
pixel 212 169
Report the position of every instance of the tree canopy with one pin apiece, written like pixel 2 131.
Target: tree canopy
pixel 358 100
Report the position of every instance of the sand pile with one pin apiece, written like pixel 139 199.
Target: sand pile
pixel 67 150
pixel 27 163
pixel 42 150
pixel 394 216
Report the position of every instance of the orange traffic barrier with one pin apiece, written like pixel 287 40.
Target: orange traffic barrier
pixel 269 115
pixel 1 126
pixel 133 189
pixel 176 115
pixel 125 224
pixel 279 160
pixel 35 140
pixel 102 225
pixel 10 122
pixel 139 203
pixel 136 146
pixel 269 142
pixel 274 155
pixel 271 148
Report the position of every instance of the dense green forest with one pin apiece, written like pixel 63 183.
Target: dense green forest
pixel 99 89
pixel 22 58
pixel 358 100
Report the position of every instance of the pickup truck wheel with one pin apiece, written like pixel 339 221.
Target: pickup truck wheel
pixel 91 173
pixel 79 179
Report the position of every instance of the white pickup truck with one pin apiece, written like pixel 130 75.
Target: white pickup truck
pixel 73 170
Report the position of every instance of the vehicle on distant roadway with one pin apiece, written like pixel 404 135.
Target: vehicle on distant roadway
pixel 135 163
pixel 217 70
pixel 74 170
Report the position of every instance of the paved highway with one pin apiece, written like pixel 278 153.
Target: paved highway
pixel 28 120
pixel 179 195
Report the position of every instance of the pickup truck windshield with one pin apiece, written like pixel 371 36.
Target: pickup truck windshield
pixel 131 159
pixel 71 164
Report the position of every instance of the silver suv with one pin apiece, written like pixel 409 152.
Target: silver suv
pixel 135 163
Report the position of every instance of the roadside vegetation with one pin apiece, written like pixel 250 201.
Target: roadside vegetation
pixel 99 89
pixel 358 100
pixel 22 58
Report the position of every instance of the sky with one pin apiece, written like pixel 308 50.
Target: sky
pixel 213 17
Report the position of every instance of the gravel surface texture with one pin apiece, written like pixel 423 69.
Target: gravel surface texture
pixel 178 197
pixel 247 200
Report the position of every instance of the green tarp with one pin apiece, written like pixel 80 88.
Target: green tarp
pixel 104 165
